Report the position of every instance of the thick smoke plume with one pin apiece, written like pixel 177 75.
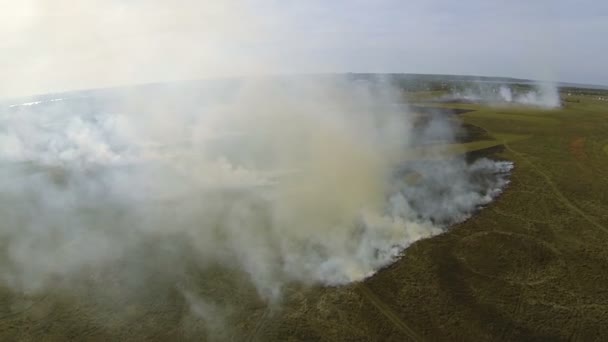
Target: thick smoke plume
pixel 293 180
pixel 289 180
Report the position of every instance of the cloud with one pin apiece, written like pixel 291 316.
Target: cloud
pixel 297 180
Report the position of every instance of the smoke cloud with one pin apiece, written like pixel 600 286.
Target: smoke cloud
pixel 541 94
pixel 290 180
pixel 282 180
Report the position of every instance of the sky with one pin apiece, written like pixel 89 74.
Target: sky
pixel 51 46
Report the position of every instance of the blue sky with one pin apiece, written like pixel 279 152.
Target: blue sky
pixel 61 45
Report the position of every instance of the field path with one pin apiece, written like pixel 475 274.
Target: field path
pixel 258 326
pixel 556 191
pixel 366 292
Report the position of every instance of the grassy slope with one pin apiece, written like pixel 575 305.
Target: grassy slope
pixel 531 266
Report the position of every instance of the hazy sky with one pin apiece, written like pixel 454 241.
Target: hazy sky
pixel 64 44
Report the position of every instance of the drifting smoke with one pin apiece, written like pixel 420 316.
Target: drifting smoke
pixel 287 180
pixel 546 95
pixel 542 95
pixel 280 180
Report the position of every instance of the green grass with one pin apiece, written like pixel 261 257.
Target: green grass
pixel 443 150
pixel 517 116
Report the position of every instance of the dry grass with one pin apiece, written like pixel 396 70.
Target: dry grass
pixel 531 266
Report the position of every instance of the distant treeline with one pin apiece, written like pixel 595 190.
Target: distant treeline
pixel 431 82
pixel 584 91
pixel 428 82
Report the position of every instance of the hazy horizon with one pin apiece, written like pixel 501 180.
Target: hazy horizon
pixel 63 46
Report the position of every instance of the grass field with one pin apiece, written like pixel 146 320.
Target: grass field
pixel 532 266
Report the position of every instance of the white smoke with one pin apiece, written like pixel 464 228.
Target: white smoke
pixel 542 94
pixel 545 95
pixel 288 180
pixel 122 192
